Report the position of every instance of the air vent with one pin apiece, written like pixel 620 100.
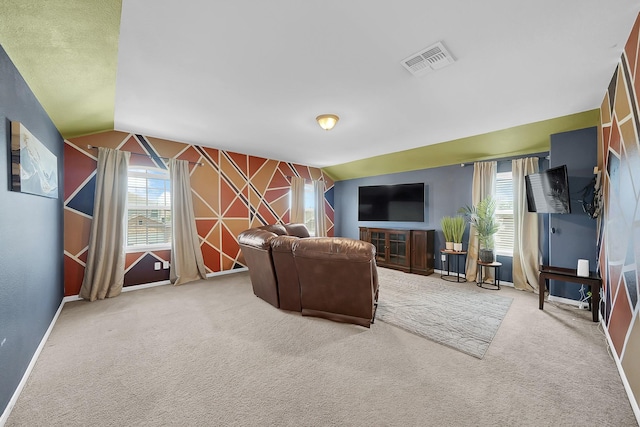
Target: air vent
pixel 427 60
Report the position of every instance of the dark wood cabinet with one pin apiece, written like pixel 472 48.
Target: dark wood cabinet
pixel 422 251
pixel 411 251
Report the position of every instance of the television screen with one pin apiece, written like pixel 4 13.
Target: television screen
pixel 400 202
pixel 548 191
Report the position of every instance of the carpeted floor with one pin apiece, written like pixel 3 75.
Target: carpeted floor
pixel 210 353
pixel 459 316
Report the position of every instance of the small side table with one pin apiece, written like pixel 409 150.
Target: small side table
pixel 496 269
pixel 593 280
pixel 458 255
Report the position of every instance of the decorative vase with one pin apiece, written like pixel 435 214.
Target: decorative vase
pixel 457 247
pixel 448 246
pixel 487 255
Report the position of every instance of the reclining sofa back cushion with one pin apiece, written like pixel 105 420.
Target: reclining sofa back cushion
pixel 338 278
pixel 298 230
pixel 256 248
pixel 286 273
pixel 275 228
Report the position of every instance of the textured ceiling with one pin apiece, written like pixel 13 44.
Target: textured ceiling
pixel 251 76
pixel 67 53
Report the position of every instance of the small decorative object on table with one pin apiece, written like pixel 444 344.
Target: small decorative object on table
pixel 458 226
pixel 447 229
pixel 583 268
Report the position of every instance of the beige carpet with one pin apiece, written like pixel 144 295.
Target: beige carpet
pixel 460 316
pixel 212 354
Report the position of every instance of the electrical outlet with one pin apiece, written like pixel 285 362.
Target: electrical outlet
pixel 443 257
pixel 165 265
pixel 156 266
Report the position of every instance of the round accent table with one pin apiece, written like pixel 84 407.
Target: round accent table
pixel 448 253
pixel 496 269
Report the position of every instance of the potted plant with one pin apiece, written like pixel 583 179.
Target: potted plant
pixel 447 229
pixel 458 225
pixel 482 218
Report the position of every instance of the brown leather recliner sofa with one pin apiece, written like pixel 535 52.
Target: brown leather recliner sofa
pixel 330 277
pixel 255 244
pixel 338 279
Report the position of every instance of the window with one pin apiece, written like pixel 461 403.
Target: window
pixel 504 213
pixel 148 208
pixel 309 206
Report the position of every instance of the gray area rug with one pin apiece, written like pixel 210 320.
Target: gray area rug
pixel 458 315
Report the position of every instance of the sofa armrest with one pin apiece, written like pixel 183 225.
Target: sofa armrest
pixel 256 238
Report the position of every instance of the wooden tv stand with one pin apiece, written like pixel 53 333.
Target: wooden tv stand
pixel 411 251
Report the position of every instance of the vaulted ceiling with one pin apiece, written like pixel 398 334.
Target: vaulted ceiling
pixel 251 76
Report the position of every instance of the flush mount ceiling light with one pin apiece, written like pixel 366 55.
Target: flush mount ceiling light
pixel 327 121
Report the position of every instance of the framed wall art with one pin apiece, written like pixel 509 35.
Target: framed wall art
pixel 34 169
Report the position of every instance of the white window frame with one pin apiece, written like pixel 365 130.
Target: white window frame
pixel 156 173
pixel 504 231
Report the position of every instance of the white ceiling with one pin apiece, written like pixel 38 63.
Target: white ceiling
pixel 251 76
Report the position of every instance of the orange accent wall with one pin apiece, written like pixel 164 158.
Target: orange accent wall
pixel 231 192
pixel 619 160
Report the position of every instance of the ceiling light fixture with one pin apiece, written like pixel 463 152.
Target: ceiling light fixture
pixel 327 121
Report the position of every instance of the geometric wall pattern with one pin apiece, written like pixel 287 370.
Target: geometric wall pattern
pixel 231 192
pixel 619 259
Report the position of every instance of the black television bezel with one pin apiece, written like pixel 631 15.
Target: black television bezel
pixel 544 203
pixel 389 187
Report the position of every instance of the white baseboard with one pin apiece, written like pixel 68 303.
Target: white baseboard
pixel 32 363
pixel 160 283
pixel 623 377
pixel 568 301
pixel 25 377
pixel 222 273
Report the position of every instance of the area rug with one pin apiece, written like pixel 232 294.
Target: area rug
pixel 458 315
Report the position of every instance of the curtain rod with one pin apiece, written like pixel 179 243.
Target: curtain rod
pixel 505 159
pixel 92 147
pixel 289 176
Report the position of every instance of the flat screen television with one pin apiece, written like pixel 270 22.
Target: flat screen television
pixel 399 202
pixel 548 191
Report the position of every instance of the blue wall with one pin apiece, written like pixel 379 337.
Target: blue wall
pixel 31 240
pixel 447 189
pixel 575 234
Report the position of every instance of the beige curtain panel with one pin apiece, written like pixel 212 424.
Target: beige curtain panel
pixel 321 223
pixel 484 184
pixel 526 251
pixel 104 272
pixel 187 263
pixel 297 200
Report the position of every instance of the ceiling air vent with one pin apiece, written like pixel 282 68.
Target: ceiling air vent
pixel 427 60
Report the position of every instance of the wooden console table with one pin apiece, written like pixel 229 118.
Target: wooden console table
pixel 569 275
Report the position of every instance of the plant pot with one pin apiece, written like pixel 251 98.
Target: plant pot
pixel 487 255
pixel 457 247
pixel 448 246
